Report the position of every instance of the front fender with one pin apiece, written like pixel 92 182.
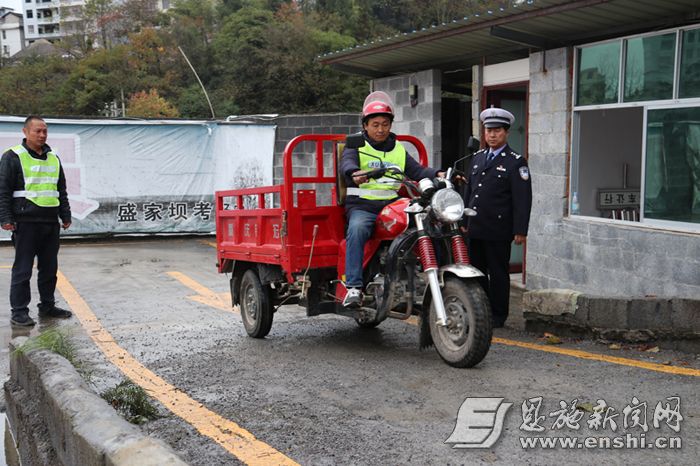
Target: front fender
pixel 461 270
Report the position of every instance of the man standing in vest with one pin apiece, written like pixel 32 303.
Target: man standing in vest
pixel 367 197
pixel 32 198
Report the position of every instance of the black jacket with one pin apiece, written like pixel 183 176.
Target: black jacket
pixel 501 194
pixel 19 209
pixel 350 163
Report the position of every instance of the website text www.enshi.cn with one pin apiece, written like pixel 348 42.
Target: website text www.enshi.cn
pixel 629 441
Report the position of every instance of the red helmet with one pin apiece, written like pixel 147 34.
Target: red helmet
pixel 377 107
pixel 377 103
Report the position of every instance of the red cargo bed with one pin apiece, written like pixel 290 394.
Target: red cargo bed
pixel 248 230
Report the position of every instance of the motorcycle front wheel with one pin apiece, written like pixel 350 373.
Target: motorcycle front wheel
pixel 466 338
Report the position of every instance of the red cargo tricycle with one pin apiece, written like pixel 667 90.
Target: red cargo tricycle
pixel 285 244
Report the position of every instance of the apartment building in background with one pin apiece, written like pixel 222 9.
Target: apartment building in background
pixel 53 19
pixel 11 33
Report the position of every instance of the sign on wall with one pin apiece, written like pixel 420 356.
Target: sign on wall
pixel 151 177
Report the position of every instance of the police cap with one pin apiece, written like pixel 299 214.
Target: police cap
pixel 496 117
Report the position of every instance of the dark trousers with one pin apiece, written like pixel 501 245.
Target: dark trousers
pixel 32 240
pixel 492 258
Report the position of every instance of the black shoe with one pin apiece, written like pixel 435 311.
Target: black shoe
pixel 22 320
pixel 56 312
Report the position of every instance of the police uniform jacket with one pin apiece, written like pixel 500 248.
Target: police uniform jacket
pixel 19 209
pixel 501 194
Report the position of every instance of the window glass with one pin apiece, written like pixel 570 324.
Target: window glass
pixel 598 74
pixel 672 175
pixel 649 68
pixel 690 65
pixel 30 13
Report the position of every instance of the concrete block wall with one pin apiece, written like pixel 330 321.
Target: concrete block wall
pixel 290 126
pixel 425 119
pixel 589 256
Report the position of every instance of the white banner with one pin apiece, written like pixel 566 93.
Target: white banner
pixel 151 176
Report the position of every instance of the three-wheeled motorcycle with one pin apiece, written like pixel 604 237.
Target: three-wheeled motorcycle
pixel 292 251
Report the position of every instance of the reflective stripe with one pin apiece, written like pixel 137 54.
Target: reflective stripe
pixel 43 169
pixel 33 194
pixel 376 193
pixel 38 180
pixel 389 182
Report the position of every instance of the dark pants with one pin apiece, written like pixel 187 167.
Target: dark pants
pixel 492 258
pixel 31 240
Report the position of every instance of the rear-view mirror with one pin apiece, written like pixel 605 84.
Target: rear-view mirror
pixel 354 141
pixel 473 144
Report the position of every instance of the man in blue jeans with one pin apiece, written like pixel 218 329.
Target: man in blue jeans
pixel 367 197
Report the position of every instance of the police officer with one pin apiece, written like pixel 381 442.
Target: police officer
pixel 499 190
pixel 32 199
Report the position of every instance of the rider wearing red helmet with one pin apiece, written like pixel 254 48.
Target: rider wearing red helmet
pixel 367 197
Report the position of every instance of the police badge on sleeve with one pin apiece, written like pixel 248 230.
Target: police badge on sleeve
pixel 524 173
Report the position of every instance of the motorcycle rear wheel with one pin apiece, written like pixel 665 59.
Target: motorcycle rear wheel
pixel 466 339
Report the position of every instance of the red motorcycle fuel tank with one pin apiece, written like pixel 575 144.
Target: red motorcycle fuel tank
pixel 392 220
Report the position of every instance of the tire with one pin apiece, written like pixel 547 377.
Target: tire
pixel 466 340
pixel 256 306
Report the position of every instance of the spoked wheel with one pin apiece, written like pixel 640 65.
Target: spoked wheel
pixel 256 308
pixel 466 338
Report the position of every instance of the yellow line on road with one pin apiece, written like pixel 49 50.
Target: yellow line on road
pixel 413 320
pixel 601 357
pixel 236 440
pixel 204 295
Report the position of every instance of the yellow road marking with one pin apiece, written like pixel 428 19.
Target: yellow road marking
pixel 5 266
pixel 204 295
pixel 601 357
pixel 236 440
pixel 209 243
pixel 413 320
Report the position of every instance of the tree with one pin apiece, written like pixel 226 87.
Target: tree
pixel 101 16
pixel 34 86
pixel 150 105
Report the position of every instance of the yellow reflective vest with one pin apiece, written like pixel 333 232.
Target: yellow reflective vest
pixel 40 178
pixel 384 188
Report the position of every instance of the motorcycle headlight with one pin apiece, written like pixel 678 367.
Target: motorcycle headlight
pixel 447 205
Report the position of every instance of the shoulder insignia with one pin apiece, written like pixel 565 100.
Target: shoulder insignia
pixel 515 154
pixel 524 173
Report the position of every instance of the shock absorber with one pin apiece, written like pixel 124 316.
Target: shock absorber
pixel 460 252
pixel 426 254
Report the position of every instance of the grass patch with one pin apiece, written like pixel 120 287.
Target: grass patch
pixel 59 341
pixel 131 401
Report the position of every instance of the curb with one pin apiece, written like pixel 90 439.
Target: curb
pixel 56 419
pixel 672 322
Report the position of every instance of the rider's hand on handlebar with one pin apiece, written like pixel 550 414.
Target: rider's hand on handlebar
pixel 359 177
pixel 459 177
